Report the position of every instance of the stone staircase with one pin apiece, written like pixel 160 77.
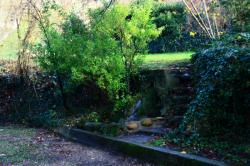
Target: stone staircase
pixel 174 91
pixel 179 95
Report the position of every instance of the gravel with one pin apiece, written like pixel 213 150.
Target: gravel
pixel 46 148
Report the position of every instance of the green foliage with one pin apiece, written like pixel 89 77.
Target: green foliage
pixel 93 117
pixel 238 14
pixel 73 55
pixel 112 129
pixel 161 61
pixel 175 35
pixel 105 54
pixel 172 18
pixel 64 51
pixel 241 40
pixel 232 152
pixel 124 105
pixel 49 119
pixel 130 28
pixel 222 97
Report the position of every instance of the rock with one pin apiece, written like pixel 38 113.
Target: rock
pixel 146 122
pixel 132 125
pixel 159 121
pixel 159 118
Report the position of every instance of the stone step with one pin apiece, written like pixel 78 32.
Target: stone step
pixel 173 121
pixel 179 99
pixel 179 107
pixel 183 76
pixel 179 69
pixel 182 91
pixel 137 137
pixel 177 111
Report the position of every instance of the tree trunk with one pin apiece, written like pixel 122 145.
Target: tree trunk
pixel 127 68
pixel 64 97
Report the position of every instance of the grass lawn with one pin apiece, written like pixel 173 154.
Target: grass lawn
pixel 9 47
pixel 13 148
pixel 156 61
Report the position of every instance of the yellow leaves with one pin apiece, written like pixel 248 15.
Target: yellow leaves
pixel 220 33
pixel 239 37
pixel 217 14
pixel 192 34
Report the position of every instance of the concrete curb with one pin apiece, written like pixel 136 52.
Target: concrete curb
pixel 155 155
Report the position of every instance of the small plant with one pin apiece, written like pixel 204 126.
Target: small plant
pixel 93 117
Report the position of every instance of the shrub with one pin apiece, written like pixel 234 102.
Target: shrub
pixel 235 40
pixel 63 49
pixel 130 28
pixel 105 54
pixel 172 18
pixel 238 14
pixel 175 35
pixel 222 99
pixel 77 55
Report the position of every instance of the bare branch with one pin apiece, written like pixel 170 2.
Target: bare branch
pixel 208 19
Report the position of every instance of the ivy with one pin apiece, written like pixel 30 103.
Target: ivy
pixel 222 91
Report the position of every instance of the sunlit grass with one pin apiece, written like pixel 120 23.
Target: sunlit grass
pixel 156 61
pixel 9 47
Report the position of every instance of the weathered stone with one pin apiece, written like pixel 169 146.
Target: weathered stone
pixel 156 155
pixel 146 122
pixel 132 125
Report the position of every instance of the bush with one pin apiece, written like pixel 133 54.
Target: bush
pixel 62 52
pixel 104 54
pixel 234 39
pixel 238 14
pixel 175 35
pixel 130 28
pixel 222 99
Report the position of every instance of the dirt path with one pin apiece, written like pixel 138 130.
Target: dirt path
pixel 26 146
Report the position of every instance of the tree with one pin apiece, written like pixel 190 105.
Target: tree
pixel 131 28
pixel 238 14
pixel 62 48
pixel 208 15
pixel 76 54
pixel 174 19
pixel 105 52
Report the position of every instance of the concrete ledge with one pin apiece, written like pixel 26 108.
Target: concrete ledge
pixel 155 155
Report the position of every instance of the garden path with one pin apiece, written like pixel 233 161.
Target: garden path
pixel 28 146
